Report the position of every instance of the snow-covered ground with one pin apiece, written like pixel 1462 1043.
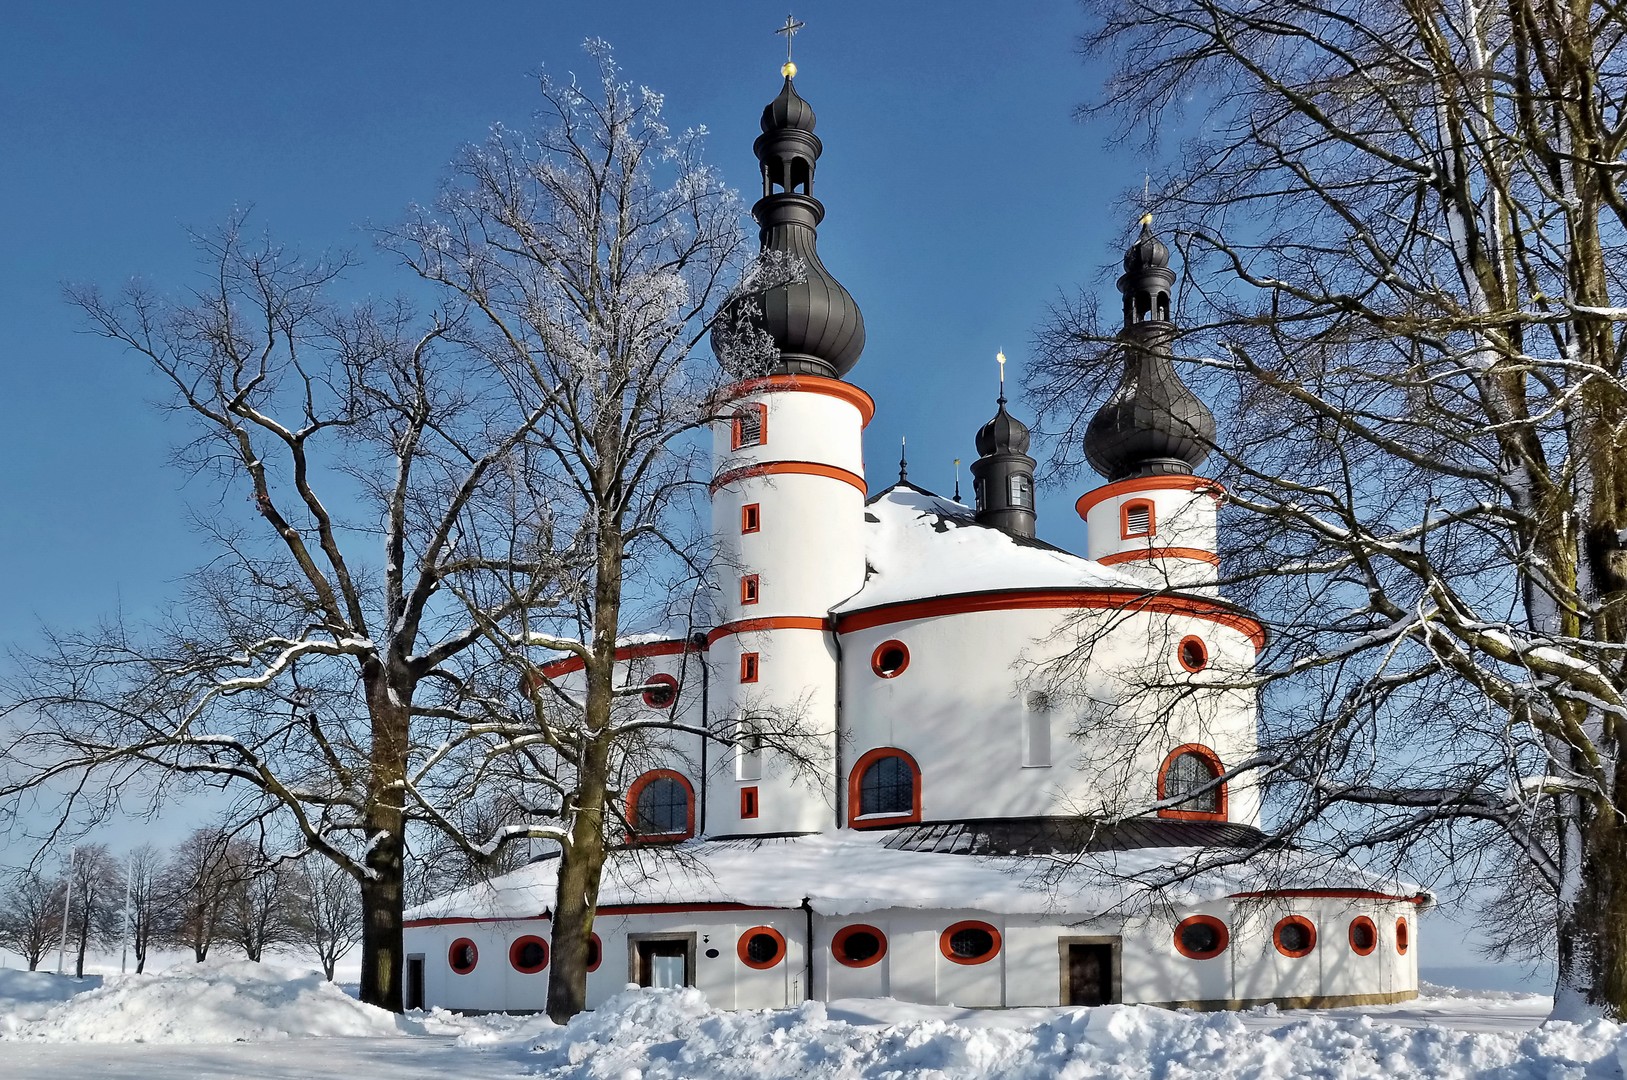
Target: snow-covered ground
pixel 236 1019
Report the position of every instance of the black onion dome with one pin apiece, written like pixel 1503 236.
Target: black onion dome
pixel 815 323
pixel 1152 424
pixel 788 110
pixel 1004 434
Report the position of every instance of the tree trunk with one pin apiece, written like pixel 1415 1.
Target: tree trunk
pixel 1593 928
pixel 84 943
pixel 383 889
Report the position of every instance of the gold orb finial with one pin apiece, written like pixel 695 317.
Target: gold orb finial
pixel 1146 219
pixel 788 69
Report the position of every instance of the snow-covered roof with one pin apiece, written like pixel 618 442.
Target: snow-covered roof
pixel 848 872
pixel 921 545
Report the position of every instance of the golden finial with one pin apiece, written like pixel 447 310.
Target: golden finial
pixel 1146 219
pixel 1000 358
pixel 788 69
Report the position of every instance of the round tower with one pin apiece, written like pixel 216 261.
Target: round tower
pixel 1153 517
pixel 787 512
pixel 1003 474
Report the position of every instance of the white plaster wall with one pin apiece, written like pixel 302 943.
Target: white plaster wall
pixel 802 426
pixel 1182 518
pixel 808 555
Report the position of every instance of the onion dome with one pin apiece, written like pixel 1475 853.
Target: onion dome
pixel 1003 474
pixel 1004 434
pixel 815 323
pixel 1152 424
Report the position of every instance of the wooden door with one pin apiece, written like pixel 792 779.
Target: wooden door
pixel 1090 974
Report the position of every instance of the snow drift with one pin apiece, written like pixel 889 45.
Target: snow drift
pixel 29 995
pixel 656 1035
pixel 233 1001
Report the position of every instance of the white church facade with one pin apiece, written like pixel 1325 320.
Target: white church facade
pixel 964 766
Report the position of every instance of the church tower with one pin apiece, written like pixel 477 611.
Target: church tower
pixel 1003 474
pixel 1153 517
pixel 787 509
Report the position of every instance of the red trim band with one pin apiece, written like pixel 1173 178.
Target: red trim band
pixel 809 384
pixel 555 668
pixel 1090 499
pixel 1197 554
pixel 608 909
pixel 1328 894
pixel 1015 599
pixel 770 622
pixel 802 468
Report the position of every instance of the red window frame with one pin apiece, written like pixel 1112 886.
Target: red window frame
pixel 737 427
pixel 1294 920
pixel 839 941
pixel 875 659
pixel 514 954
pixel 1124 519
pixel 457 947
pixel 1223 937
pixel 1403 936
pixel 1363 922
pixel 856 775
pixel 761 965
pixel 596 951
pixel 652 687
pixel 1192 641
pixel 751 518
pixel 1213 761
pixel 750 589
pixel 750 667
pixel 748 802
pixel 969 924
pixel 637 788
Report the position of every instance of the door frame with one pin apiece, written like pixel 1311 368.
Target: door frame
pixel 1114 941
pixel 411 983
pixel 633 954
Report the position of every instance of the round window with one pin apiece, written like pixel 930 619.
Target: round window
pixel 761 947
pixel 660 691
pixel 1201 937
pixel 858 946
pixel 1363 935
pixel 890 659
pixel 463 956
pixel 1295 936
pixel 1192 653
pixel 528 955
pixel 969 942
pixel 595 953
pixel 1402 936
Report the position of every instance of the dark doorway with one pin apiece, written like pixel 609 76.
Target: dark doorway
pixel 665 961
pixel 1090 975
pixel 415 982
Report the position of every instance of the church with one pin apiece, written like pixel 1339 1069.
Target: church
pixel 1026 786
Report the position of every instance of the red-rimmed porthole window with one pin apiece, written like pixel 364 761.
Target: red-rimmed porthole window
pixel 1294 936
pixel 660 691
pixel 1363 935
pixel 884 788
pixel 1192 654
pixel 748 667
pixel 890 659
pixel 661 806
pixel 1403 936
pixel 595 953
pixel 761 947
pixel 528 955
pixel 749 426
pixel 751 518
pixel 1188 775
pixel 1136 519
pixel 462 956
pixel 858 945
pixel 1201 937
pixel 970 942
pixel 750 588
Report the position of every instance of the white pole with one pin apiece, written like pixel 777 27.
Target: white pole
pixel 124 949
pixel 67 899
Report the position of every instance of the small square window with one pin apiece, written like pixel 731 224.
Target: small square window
pixel 749 426
pixel 748 802
pixel 749 589
pixel 1137 521
pixel 748 667
pixel 751 518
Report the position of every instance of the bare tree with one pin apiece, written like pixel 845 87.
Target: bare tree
pixel 146 900
pixel 258 908
pixel 95 902
pixel 591 255
pixel 1402 226
pixel 30 915
pixel 325 912
pixel 193 888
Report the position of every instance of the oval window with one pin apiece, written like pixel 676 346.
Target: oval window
pixel 528 955
pixel 595 953
pixel 761 947
pixel 890 659
pixel 660 691
pixel 858 945
pixel 969 942
pixel 1294 936
pixel 1363 935
pixel 1402 936
pixel 1192 653
pixel 463 956
pixel 1201 937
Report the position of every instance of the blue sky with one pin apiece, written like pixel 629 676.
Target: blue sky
pixel 961 195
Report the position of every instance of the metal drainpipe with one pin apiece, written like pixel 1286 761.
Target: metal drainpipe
pixel 807 944
pixel 836 736
pixel 698 640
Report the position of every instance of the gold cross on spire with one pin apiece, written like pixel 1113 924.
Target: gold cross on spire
pixel 790 31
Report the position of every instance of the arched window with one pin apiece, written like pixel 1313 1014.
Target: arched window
pixel 884 789
pixel 1188 774
pixel 1020 490
pixel 661 806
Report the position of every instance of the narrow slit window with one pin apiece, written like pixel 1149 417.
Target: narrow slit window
pixel 748 667
pixel 749 589
pixel 1037 730
pixel 748 764
pixel 748 802
pixel 1021 491
pixel 751 518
